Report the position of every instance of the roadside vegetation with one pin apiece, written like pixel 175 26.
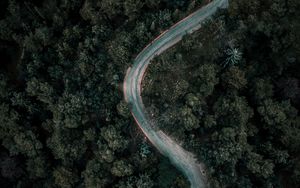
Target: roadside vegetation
pixel 230 93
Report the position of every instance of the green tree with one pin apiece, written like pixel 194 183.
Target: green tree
pixel 132 8
pixel 113 137
pixel 262 89
pixel 95 175
pixel 144 181
pixel 121 168
pixel 119 49
pixel 234 79
pixel 104 152
pixel 38 167
pixel 27 143
pixel 232 111
pixel 67 145
pixel 123 109
pixel 42 90
pixel 111 8
pixel 258 166
pixel 206 79
pixel 71 110
pixel 65 177
pixel 275 113
pixel 189 120
pixel 209 121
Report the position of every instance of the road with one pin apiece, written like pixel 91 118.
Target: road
pixel 182 159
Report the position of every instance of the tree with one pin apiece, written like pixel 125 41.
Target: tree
pixel 234 56
pixel 113 137
pixel 144 181
pixel 67 145
pixel 133 8
pixel 192 100
pixel 209 121
pixel 258 166
pixel 275 113
pixel 233 112
pixel 42 90
pixel 152 4
pixel 262 89
pixel 119 49
pixel 289 89
pixel 70 110
pixel 291 136
pixel 111 8
pixel 104 152
pixel 123 109
pixel 234 79
pixel 244 182
pixel 189 120
pixel 178 89
pixel 164 18
pixel 27 143
pixel 38 167
pixel 65 177
pixel 206 79
pixel 9 119
pixel 121 168
pixel 95 175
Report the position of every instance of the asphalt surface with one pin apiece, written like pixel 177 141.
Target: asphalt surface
pixel 182 159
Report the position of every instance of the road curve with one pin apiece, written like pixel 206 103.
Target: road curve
pixel 182 159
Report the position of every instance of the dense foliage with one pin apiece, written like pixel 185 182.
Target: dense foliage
pixel 230 92
pixel 63 122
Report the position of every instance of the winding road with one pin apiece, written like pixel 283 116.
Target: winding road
pixel 182 159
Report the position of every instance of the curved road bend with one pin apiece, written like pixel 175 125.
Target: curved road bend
pixel 182 159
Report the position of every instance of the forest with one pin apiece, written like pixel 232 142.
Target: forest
pixel 234 102
pixel 230 94
pixel 63 120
